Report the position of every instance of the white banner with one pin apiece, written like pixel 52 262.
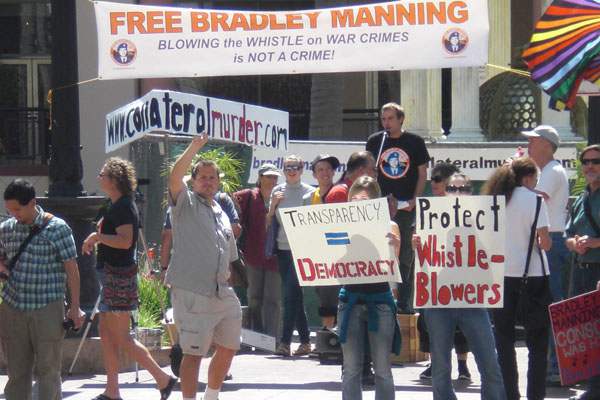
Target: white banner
pixel 460 260
pixel 153 41
pixel 342 243
pixel 477 161
pixel 188 114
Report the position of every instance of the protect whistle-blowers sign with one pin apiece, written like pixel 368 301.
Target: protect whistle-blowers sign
pixel 576 328
pixel 459 262
pixel 342 243
pixel 155 41
pixel 265 129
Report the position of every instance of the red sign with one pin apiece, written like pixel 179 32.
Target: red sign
pixel 576 328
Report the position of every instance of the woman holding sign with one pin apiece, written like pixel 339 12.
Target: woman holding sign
pixel 473 322
pixel 289 194
pixel 526 285
pixel 368 311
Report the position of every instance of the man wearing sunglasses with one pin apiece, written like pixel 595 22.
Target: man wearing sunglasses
pixel 583 238
pixel 401 158
pixel 553 185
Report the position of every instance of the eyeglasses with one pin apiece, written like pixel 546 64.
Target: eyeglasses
pixel 588 161
pixel 437 179
pixel 461 189
pixel 292 168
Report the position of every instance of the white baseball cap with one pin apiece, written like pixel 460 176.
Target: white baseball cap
pixel 544 131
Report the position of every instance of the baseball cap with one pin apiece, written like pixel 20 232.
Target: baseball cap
pixel 325 157
pixel 544 131
pixel 268 169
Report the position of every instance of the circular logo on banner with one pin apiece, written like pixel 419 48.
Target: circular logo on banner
pixel 394 163
pixel 123 52
pixel 455 40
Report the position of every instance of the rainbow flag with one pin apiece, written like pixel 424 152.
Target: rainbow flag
pixel 565 49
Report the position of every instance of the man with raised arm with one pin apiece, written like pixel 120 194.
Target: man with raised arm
pixel 206 309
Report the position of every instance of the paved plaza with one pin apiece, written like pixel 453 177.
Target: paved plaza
pixel 259 376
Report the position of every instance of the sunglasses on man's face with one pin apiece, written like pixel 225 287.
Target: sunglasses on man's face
pixel 437 179
pixel 592 161
pixel 292 168
pixel 461 189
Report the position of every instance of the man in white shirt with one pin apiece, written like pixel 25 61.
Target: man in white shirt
pixel 554 186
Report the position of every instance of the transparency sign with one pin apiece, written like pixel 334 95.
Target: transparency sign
pixel 342 243
pixel 187 114
pixel 152 41
pixel 576 328
pixel 459 261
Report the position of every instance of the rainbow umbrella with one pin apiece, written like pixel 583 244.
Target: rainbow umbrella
pixel 565 49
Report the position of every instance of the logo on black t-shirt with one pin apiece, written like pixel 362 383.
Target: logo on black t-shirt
pixel 394 163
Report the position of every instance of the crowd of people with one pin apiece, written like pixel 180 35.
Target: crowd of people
pixel 204 228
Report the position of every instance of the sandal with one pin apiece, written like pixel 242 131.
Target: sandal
pixel 105 397
pixel 166 391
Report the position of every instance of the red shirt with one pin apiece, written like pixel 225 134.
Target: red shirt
pixel 253 218
pixel 339 193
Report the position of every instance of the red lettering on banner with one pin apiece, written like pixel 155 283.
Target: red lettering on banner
pixel 434 255
pixel 310 270
pixel 427 287
pixel 311 267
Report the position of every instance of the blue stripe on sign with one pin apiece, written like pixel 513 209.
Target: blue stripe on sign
pixel 334 242
pixel 333 235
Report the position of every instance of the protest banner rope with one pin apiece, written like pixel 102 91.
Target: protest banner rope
pixel 50 96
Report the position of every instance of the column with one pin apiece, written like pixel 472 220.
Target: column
pixel 499 37
pixel 421 94
pixel 465 106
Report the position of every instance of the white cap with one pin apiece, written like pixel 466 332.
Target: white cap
pixel 544 131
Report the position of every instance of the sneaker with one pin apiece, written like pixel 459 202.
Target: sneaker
pixel 303 349
pixel 427 373
pixel 283 350
pixel 463 373
pixel 228 377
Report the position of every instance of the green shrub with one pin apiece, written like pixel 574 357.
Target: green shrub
pixel 153 295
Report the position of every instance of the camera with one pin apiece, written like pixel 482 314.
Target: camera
pixel 69 325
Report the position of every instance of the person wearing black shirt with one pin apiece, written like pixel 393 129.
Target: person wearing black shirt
pixel 116 239
pixel 402 172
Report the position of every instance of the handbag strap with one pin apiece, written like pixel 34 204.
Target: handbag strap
pixel 33 231
pixel 587 209
pixel 532 235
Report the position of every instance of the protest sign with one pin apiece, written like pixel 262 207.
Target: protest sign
pixel 137 41
pixel 460 260
pixel 343 243
pixel 576 328
pixel 265 129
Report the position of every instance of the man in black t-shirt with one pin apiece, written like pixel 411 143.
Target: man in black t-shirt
pixel 402 172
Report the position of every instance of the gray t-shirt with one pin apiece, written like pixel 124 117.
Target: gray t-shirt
pixel 203 246
pixel 292 197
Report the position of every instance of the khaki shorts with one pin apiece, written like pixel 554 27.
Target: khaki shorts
pixel 202 321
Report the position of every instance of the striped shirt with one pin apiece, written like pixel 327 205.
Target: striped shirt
pixel 39 276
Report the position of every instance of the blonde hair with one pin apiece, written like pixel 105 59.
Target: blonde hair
pixel 293 158
pixel 367 184
pixel 395 107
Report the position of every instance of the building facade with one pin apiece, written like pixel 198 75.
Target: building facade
pixel 341 106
